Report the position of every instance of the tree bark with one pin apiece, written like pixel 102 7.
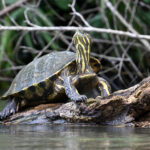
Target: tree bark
pixel 129 107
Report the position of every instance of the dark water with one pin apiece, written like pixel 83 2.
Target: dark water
pixel 61 137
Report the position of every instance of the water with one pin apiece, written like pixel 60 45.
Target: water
pixel 73 137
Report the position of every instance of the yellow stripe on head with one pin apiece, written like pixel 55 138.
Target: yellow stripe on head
pixel 82 43
pixel 88 38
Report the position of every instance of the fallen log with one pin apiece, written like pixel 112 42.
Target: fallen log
pixel 129 107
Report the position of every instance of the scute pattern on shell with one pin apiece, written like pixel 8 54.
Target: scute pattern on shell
pixel 40 69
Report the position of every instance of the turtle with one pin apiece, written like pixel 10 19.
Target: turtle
pixel 55 77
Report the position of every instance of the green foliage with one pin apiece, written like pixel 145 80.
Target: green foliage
pixel 8 2
pixel 146 1
pixel 63 4
pixel 57 13
pixel 4 44
pixel 144 16
pixel 97 21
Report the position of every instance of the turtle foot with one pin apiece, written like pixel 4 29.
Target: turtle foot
pixel 10 108
pixel 80 98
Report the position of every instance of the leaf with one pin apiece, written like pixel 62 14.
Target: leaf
pixel 28 40
pixel 97 21
pixel 5 37
pixel 18 15
pixel 62 4
pixel 10 1
pixel 146 1
pixel 48 38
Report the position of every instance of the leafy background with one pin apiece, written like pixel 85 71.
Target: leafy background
pixel 125 61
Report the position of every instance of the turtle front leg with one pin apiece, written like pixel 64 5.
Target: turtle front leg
pixel 10 108
pixel 104 87
pixel 71 90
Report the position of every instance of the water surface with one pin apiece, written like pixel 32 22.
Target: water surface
pixel 73 137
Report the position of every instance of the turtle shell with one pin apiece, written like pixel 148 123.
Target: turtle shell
pixel 43 68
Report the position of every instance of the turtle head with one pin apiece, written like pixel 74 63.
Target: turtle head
pixel 82 42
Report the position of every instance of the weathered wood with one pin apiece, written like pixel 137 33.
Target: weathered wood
pixel 124 107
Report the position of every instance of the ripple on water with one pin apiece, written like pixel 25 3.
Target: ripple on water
pixel 73 137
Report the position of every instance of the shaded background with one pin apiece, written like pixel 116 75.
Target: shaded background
pixel 125 61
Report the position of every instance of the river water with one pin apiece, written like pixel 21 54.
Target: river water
pixel 73 137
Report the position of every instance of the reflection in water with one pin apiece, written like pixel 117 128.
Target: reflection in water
pixel 72 137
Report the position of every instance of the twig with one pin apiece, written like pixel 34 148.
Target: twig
pixel 55 12
pixel 72 6
pixel 12 19
pixel 110 42
pixel 105 18
pixel 73 28
pixel 12 7
pixel 144 5
pixel 133 11
pixel 90 10
pixel 47 46
pixel 116 43
pixel 130 28
pixel 14 68
pixel 108 70
pixel 27 19
pixel 6 79
pixel 136 19
pixel 109 57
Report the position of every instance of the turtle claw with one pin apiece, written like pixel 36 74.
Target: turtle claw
pixel 80 98
pixel 9 109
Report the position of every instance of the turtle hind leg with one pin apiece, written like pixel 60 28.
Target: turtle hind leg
pixel 10 108
pixel 104 87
